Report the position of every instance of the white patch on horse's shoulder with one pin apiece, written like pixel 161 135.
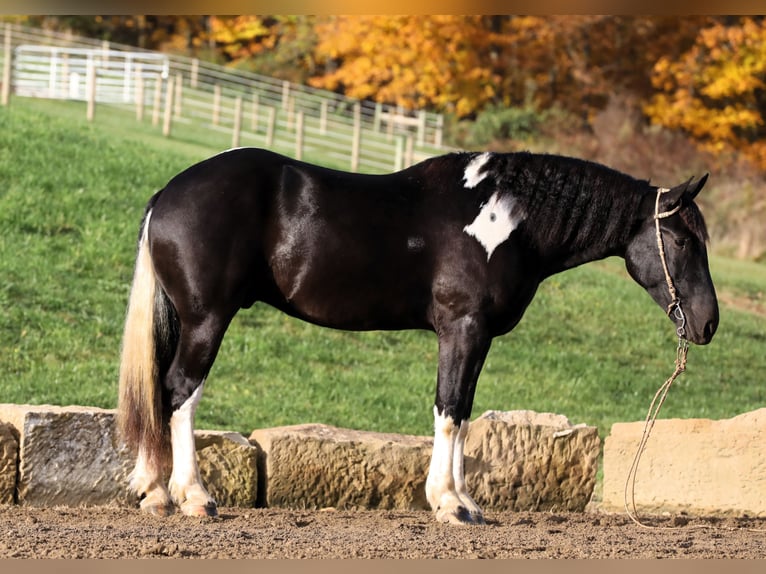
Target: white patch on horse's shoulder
pixel 495 222
pixel 473 174
pixel 415 243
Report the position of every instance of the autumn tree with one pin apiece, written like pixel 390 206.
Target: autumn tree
pixel 279 46
pixel 461 64
pixel 577 63
pixel 716 91
pixel 443 62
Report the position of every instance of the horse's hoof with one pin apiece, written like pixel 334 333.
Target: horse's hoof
pixel 161 510
pixel 460 516
pixel 200 510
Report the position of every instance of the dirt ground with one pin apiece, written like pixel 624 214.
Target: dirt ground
pixel 110 532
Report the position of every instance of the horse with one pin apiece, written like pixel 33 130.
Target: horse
pixel 456 244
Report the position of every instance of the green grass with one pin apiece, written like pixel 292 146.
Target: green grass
pixel 593 346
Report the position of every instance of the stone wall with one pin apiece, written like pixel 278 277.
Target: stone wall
pixel 71 456
pixel 519 460
pixel 9 451
pixel 522 460
pixel 700 466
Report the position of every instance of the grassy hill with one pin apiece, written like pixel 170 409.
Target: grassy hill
pixel 593 346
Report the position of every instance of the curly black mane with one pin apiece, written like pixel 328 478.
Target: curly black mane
pixel 570 201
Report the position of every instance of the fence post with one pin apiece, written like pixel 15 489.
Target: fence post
pixel 178 96
pixel 216 104
pixel 90 83
pixel 439 132
pixel 285 94
pixel 390 125
pixel 254 116
pixel 237 122
pixel 139 94
pixel 421 127
pixel 376 120
pixel 168 106
pixel 398 155
pixel 157 100
pixel 270 127
pixel 323 118
pixel 356 141
pixel 194 72
pixel 408 155
pixel 64 73
pixel 290 114
pixel 299 136
pixel 7 59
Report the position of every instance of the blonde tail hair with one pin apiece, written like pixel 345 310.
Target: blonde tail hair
pixel 140 409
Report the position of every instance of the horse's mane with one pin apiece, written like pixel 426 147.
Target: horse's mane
pixel 565 200
pixel 571 201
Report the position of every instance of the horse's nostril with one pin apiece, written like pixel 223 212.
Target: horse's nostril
pixel 710 328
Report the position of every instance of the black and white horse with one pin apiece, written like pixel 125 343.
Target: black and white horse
pixel 456 244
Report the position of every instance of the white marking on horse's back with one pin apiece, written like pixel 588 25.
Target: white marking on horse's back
pixel 495 222
pixel 473 174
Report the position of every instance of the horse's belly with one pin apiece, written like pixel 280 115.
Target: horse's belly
pixel 351 293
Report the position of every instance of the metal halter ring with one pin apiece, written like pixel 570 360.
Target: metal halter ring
pixel 678 313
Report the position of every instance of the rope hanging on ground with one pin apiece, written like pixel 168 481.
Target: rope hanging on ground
pixel 651 417
pixel 681 351
pixel 659 397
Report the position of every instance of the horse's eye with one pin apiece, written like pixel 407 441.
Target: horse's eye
pixel 680 242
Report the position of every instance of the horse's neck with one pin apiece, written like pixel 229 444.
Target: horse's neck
pixel 563 261
pixel 560 250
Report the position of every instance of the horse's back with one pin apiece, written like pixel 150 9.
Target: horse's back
pixel 332 247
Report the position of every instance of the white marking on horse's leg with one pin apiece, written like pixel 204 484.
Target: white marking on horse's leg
pixel 185 482
pixel 146 481
pixel 495 222
pixel 440 484
pixel 473 175
pixel 458 473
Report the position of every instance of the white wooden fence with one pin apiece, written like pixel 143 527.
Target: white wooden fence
pixel 177 93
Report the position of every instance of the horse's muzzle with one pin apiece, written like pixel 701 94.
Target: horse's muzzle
pixel 705 335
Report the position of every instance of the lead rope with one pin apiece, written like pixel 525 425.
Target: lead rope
pixel 682 350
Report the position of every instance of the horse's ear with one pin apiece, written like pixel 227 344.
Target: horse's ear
pixel 672 197
pixel 698 186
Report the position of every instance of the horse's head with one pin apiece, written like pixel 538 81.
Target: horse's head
pixel 683 238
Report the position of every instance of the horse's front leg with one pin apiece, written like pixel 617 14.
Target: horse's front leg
pixel 463 346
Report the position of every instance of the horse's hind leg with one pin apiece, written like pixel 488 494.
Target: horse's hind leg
pixel 184 382
pixel 147 479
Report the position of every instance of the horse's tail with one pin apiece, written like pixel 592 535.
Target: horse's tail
pixel 148 346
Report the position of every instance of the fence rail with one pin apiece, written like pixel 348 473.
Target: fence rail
pixel 256 110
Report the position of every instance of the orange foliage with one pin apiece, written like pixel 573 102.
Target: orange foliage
pixel 240 36
pixel 715 91
pixel 444 62
pixel 461 64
